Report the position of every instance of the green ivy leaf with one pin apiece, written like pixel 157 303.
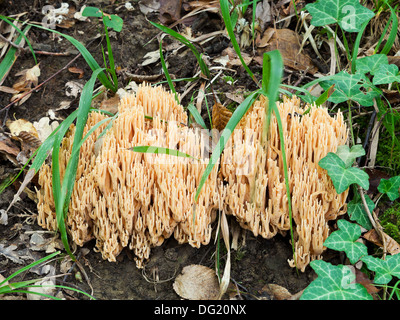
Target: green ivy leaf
pixel 344 239
pixel 348 87
pixel 390 187
pixel 356 211
pixel 112 21
pixel 349 14
pixel 341 176
pixel 387 73
pixel 384 269
pixel 349 155
pixel 371 64
pixel 334 283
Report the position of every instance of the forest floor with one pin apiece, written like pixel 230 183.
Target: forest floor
pixel 257 262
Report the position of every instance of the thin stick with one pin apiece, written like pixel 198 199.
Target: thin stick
pixel 44 82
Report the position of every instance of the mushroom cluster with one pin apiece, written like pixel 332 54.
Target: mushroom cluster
pixel 253 171
pixel 123 198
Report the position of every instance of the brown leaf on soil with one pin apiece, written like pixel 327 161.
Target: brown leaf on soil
pixel 79 71
pixel 170 11
pixel 277 292
pixel 197 282
pixel 111 104
pixel 391 245
pixel 220 116
pixel 362 279
pixel 8 147
pixel 234 59
pixel 27 78
pixel 288 43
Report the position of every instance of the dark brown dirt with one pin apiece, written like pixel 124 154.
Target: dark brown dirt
pixel 256 263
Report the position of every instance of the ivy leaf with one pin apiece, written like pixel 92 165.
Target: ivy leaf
pixel 112 21
pixel 371 63
pixel 334 283
pixel 348 87
pixel 344 239
pixel 384 269
pixel 349 155
pixel 341 176
pixel 387 73
pixel 349 14
pixel 390 187
pixel 356 211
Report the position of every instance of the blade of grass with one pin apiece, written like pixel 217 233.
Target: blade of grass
pixel 357 46
pixel 179 37
pixel 110 54
pixel 196 115
pixel 10 57
pixel 35 263
pixel 271 79
pixel 166 73
pixel 62 191
pixel 22 33
pixel 228 24
pixel 87 56
pixel 161 150
pixel 226 133
pixel 393 31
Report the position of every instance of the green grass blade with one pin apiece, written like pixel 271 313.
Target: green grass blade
pixel 35 263
pixel 228 24
pixel 166 73
pixel 161 150
pixel 87 56
pixel 62 191
pixel 22 33
pixel 110 54
pixel 196 115
pixel 226 133
pixel 393 31
pixel 357 46
pixel 179 37
pixel 83 112
pixel 10 57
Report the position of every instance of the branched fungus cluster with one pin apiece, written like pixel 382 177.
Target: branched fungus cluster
pixel 129 199
pixel 123 198
pixel 252 166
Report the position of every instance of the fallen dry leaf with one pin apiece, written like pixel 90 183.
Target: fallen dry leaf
pixel 363 279
pixel 263 14
pixel 45 127
pixel 170 11
pixel 77 70
pixel 220 116
pixel 151 57
pixel 277 292
pixel 20 125
pixel 111 104
pixel 27 79
pixel 7 146
pixel 147 6
pixel 10 253
pixel 197 282
pixel 288 43
pixel 391 245
pixel 234 59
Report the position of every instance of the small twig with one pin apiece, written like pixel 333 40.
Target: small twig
pixel 375 225
pixel 11 43
pixel 40 85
